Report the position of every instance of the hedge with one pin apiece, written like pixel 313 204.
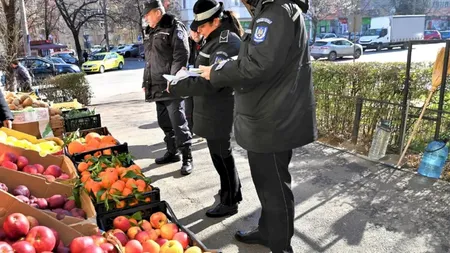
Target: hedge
pixel 66 87
pixel 338 85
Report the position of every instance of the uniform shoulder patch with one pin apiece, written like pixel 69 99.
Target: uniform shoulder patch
pixel 180 35
pixel 260 34
pixel 218 59
pixel 224 36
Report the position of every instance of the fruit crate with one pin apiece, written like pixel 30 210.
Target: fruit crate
pixel 79 157
pixel 86 122
pixel 66 111
pixel 84 132
pixel 105 221
pixel 154 196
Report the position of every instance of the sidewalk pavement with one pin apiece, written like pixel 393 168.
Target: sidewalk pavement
pixel 343 203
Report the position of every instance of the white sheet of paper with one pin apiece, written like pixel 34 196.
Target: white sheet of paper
pixel 180 75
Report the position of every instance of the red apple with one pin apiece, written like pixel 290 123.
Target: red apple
pixel 151 246
pixel 16 225
pixel 93 249
pixel 153 234
pixel 31 169
pixel 182 238
pixel 5 248
pixel 158 219
pixel 23 247
pixel 161 241
pixel 169 230
pixel 21 162
pixel 42 239
pixel 42 203
pixel 39 168
pixel 53 170
pixel 56 234
pixel 108 247
pixel 122 237
pixel 8 156
pixel 79 244
pixel 122 223
pixel 133 231
pixel 64 176
pixel 145 225
pixel 134 246
pixel 33 221
pixel 70 204
pixel 172 247
pixel 56 201
pixel 142 236
pixel 9 165
pixel 21 190
pixel 193 249
pixel 98 240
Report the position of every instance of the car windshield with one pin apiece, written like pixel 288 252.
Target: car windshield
pixel 429 32
pixel 57 60
pixel 373 32
pixel 98 57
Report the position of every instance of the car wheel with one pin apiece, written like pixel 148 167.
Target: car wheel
pixel 332 56
pixel 120 65
pixel 102 69
pixel 405 46
pixel 379 47
pixel 127 54
pixel 357 54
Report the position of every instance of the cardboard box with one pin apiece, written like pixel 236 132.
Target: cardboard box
pixel 33 139
pixel 33 157
pixel 33 121
pixel 10 205
pixel 41 188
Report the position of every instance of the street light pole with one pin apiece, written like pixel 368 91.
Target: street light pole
pixel 25 33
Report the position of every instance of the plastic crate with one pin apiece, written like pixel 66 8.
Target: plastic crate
pixel 87 122
pixel 105 221
pixel 79 157
pixel 154 195
pixel 84 132
pixel 66 111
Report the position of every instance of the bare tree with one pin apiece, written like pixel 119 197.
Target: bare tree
pixel 51 17
pixel 9 28
pixel 77 13
pixel 128 13
pixel 320 10
pixel 412 7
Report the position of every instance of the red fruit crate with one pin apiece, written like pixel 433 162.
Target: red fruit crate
pixel 105 220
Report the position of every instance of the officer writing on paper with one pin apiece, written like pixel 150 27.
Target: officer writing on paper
pixel 275 110
pixel 167 51
pixel 213 110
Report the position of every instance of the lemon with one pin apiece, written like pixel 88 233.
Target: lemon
pixel 11 139
pixel 3 136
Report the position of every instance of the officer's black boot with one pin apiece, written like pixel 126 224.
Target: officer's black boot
pixel 188 165
pixel 171 155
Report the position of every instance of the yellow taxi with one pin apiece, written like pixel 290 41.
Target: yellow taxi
pixel 101 62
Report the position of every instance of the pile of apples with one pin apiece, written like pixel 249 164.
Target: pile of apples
pixel 154 236
pixel 58 204
pixel 20 163
pixel 23 234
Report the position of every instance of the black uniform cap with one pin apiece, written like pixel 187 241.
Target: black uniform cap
pixel 152 4
pixel 206 11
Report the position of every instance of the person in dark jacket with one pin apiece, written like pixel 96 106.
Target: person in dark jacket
pixel 6 116
pixel 23 76
pixel 275 110
pixel 166 52
pixel 194 45
pixel 213 113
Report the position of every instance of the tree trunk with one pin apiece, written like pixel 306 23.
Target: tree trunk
pixel 46 21
pixel 314 22
pixel 76 38
pixel 11 42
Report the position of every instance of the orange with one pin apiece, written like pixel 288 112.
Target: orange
pixel 127 192
pixel 148 188
pixel 141 185
pixel 108 178
pixel 117 187
pixel 109 139
pixel 83 167
pixel 93 143
pixel 76 147
pixel 98 154
pixel 92 136
pixel 133 202
pixel 121 204
pixel 131 183
pixel 148 200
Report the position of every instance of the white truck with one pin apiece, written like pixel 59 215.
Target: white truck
pixel 393 31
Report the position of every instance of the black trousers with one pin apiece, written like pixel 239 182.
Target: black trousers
pixel 189 104
pixel 172 121
pixel 273 184
pixel 223 160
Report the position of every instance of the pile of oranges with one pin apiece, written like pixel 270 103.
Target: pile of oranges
pixel 91 141
pixel 106 180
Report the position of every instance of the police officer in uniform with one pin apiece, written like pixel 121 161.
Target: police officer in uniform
pixel 194 46
pixel 213 111
pixel 275 110
pixel 166 52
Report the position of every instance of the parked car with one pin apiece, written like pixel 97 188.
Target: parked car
pixel 432 35
pixel 335 48
pixel 445 34
pixel 131 50
pixel 42 68
pixel 56 60
pixel 103 61
pixel 67 57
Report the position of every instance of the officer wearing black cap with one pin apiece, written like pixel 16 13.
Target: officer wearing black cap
pixel 213 110
pixel 275 110
pixel 166 52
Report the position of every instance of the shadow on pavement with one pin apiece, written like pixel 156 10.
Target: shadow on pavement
pixel 150 126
